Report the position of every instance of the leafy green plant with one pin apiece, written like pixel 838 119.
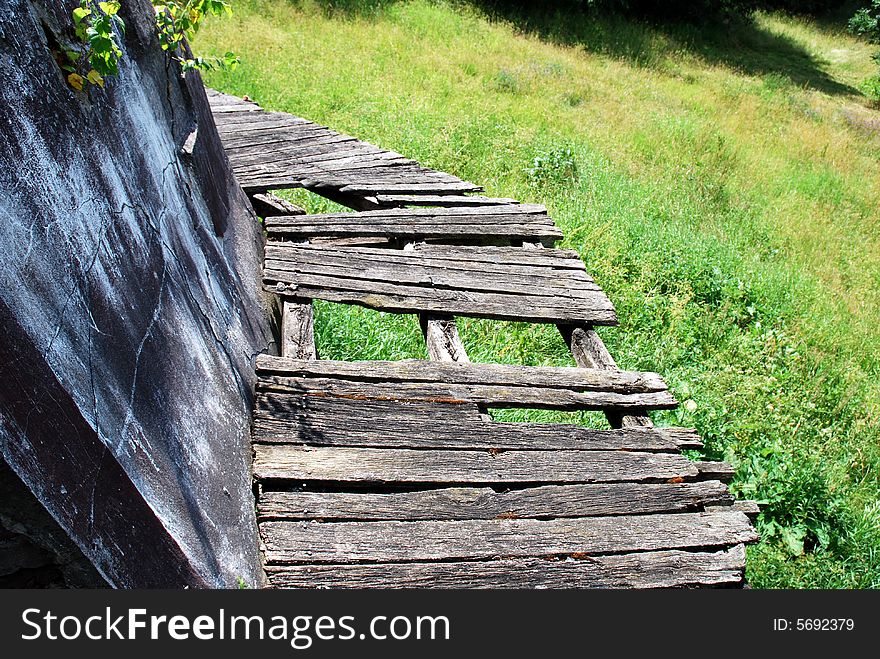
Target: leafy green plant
pixel 554 166
pixel 97 26
pixel 866 23
pixel 178 21
pixel 871 89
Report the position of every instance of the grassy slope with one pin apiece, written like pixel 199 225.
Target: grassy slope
pixel 723 192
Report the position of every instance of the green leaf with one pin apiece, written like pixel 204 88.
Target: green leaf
pixel 109 8
pixel 79 14
pixel 793 539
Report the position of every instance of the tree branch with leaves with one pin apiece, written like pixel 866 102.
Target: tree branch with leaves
pixel 99 29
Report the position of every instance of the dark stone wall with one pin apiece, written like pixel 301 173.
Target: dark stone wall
pixel 130 309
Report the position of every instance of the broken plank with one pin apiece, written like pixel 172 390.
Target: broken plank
pixel 394 201
pixel 268 205
pixel 513 375
pixel 328 421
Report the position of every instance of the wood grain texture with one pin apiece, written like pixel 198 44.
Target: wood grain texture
pixel 271 150
pixel 351 542
pixel 399 201
pixel 487 223
pixel 492 385
pixel 399 465
pixel 329 421
pixel 298 330
pixel 663 569
pixel 442 339
pixel 589 351
pixel 268 205
pixel 548 501
pixel 417 370
pixel 500 396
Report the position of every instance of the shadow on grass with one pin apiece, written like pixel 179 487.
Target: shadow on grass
pixel 739 44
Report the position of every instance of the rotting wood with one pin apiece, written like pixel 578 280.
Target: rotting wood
pixel 452 224
pixel 398 201
pixel 562 378
pixel 442 339
pixel 332 417
pixel 317 427
pixel 483 282
pixel 350 542
pixel 715 470
pixel 328 421
pixel 485 395
pixel 589 351
pixel 267 205
pixel 373 465
pixel 750 509
pixel 664 569
pixel 298 329
pixel 485 503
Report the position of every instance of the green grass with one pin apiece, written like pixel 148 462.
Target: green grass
pixel 722 187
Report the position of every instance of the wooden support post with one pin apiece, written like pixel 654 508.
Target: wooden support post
pixel 298 329
pixel 442 340
pixel 589 351
pixel 441 336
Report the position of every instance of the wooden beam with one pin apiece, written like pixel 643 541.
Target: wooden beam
pixel 486 503
pixel 352 542
pixel 663 569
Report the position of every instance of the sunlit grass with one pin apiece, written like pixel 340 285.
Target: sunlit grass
pixel 725 195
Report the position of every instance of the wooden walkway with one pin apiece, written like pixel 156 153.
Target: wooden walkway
pixel 392 474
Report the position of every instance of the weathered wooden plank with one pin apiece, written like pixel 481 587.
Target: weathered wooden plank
pixel 500 396
pixel 484 282
pixel 548 501
pixel 712 470
pixel 664 569
pixel 412 299
pixel 410 188
pixel 448 214
pixel 750 509
pixel 298 330
pixel 328 421
pixel 240 146
pixel 372 465
pixel 413 225
pixel 395 201
pixel 508 261
pixel 422 267
pixel 351 542
pixel 670 569
pixel 336 159
pixel 268 205
pixel 254 184
pixel 338 416
pixel 330 263
pixel 418 370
